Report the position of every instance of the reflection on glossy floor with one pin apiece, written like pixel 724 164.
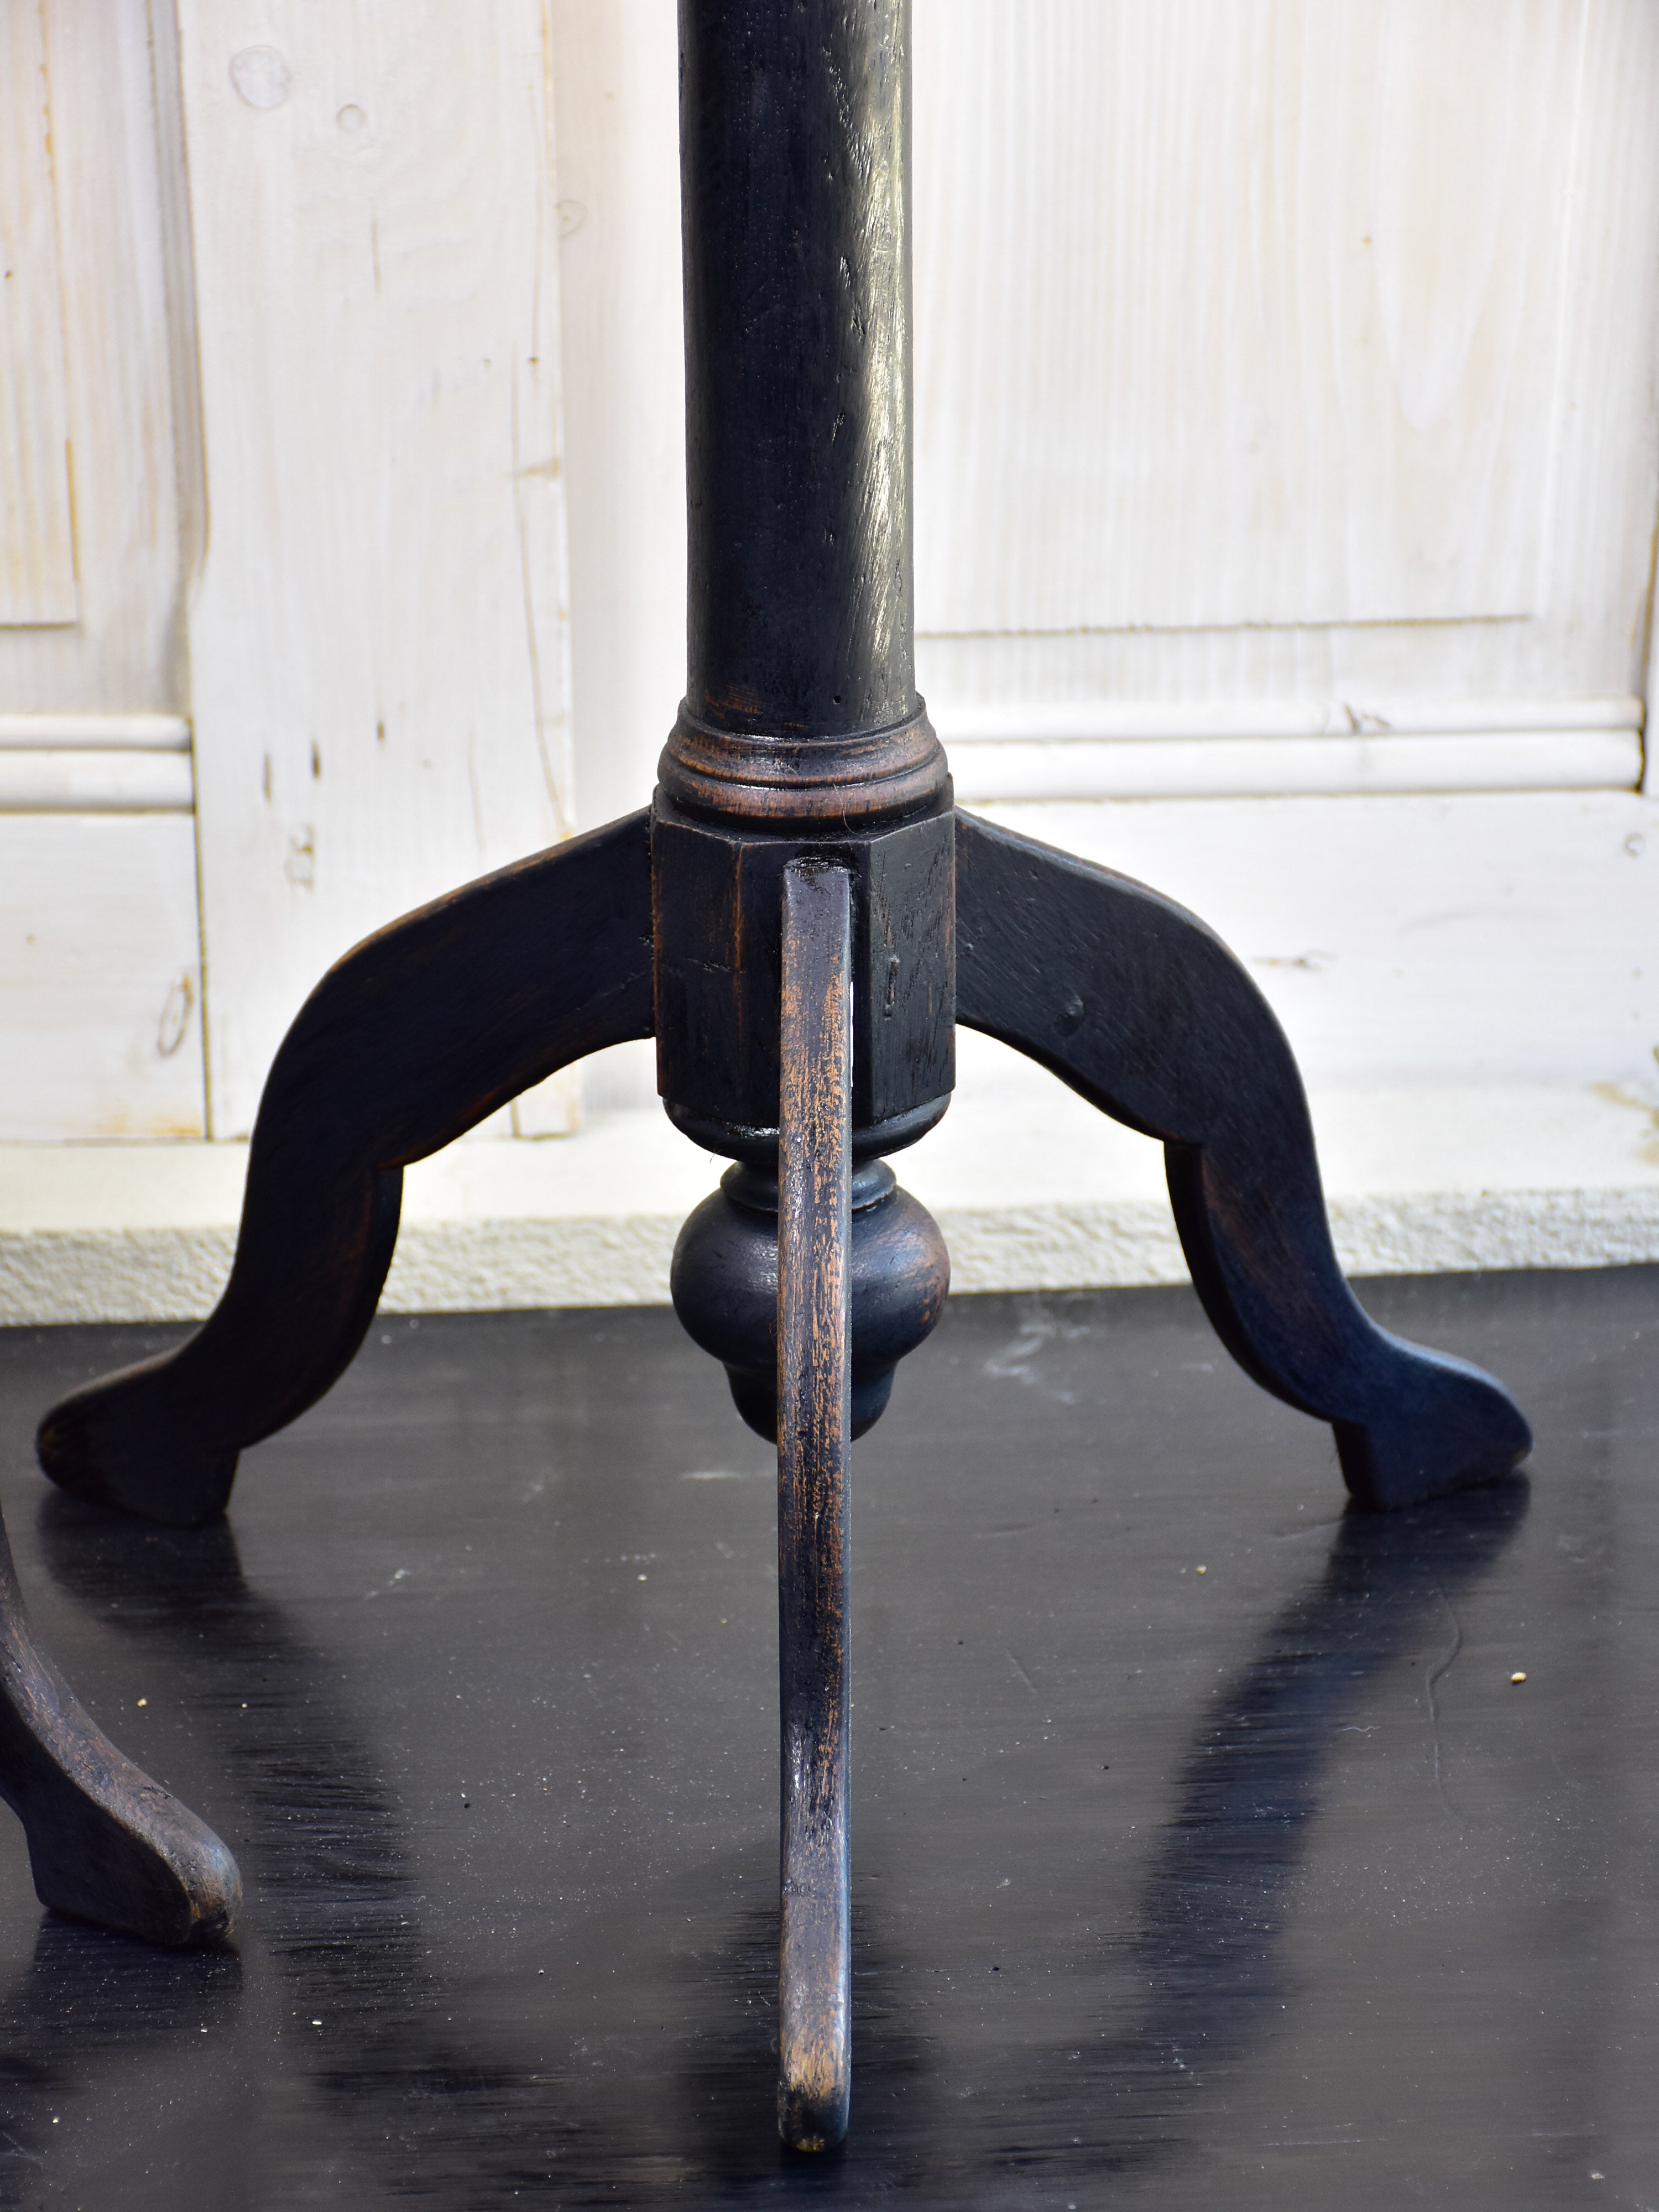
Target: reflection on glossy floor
pixel 1205 1851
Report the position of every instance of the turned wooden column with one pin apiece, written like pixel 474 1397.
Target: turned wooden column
pixel 801 730
pixel 800 700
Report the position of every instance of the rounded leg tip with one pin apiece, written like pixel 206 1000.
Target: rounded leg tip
pixel 106 1843
pixel 1449 1428
pixel 808 2121
pixel 102 1450
pixel 191 1907
pixel 130 1857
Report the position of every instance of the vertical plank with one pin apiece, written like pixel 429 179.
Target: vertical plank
pixel 378 640
pixel 37 532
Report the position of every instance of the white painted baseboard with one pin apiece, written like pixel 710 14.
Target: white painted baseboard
pixel 77 781
pixel 1034 1190
pixel 1092 749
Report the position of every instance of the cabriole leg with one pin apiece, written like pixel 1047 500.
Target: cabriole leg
pixel 413 1038
pixel 1144 1011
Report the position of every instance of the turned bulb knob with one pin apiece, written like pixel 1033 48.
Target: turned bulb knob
pixel 724 1286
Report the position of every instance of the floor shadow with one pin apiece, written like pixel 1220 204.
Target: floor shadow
pixel 421 2097
pixel 402 2079
pixel 90 2004
pixel 1206 1948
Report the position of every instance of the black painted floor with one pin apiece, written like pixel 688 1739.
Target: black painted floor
pixel 1256 1887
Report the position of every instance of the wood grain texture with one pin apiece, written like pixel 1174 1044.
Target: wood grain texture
pixel 418 1034
pixel 118 647
pixel 378 641
pixel 716 891
pixel 100 993
pixel 814 1453
pixel 100 981
pixel 616 88
pixel 1144 1010
pixel 1225 286
pixel 37 537
pixel 1164 380
pixel 794 129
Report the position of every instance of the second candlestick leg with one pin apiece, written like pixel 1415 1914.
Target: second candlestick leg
pixel 814 1437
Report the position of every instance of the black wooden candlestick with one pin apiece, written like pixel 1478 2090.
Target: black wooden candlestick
pixel 800 920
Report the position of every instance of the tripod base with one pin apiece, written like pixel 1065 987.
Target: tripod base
pixel 442 1018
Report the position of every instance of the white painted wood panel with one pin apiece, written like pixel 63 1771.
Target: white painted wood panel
pixel 1284 351
pixel 379 661
pixel 1240 314
pixel 99 980
pixel 1281 718
pixel 118 647
pixel 99 949
pixel 37 530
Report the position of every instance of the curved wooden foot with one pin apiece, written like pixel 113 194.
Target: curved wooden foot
pixel 106 1843
pixel 815 1428
pixel 1135 1003
pixel 413 1038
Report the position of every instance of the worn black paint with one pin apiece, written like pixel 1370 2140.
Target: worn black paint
pixel 725 1286
pixel 715 892
pixel 106 1843
pixel 414 1037
pixel 1133 1002
pixel 794 150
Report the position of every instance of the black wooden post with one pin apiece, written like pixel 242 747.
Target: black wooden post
pixel 794 122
